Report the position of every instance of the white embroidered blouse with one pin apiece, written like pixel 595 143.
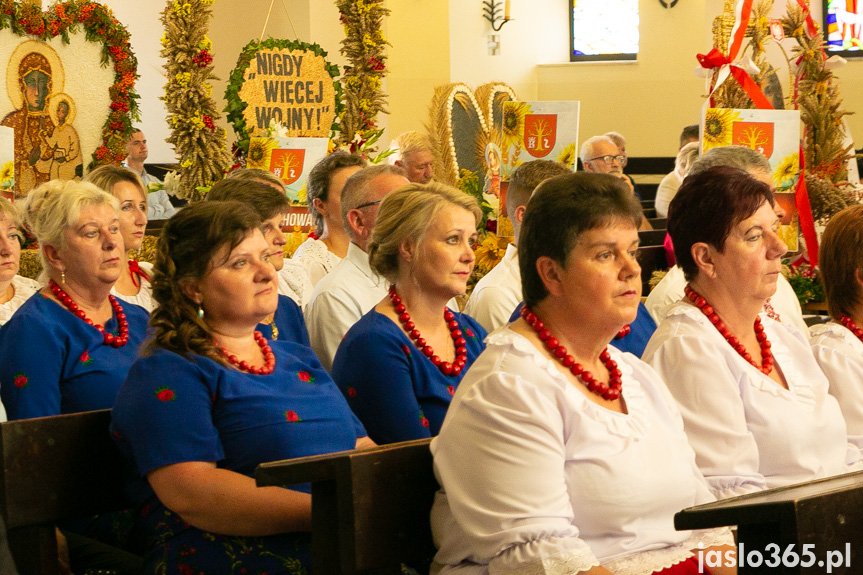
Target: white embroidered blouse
pixel 536 478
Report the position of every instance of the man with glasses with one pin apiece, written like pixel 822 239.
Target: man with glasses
pixel 601 155
pixel 351 289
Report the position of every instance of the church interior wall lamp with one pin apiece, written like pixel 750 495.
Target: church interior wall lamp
pixel 492 12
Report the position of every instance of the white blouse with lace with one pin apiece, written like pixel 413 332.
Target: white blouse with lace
pixel 748 432
pixel 317 259
pixel 24 288
pixel 144 297
pixel 536 478
pixel 840 355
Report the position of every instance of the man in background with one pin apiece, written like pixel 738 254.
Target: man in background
pixel 158 205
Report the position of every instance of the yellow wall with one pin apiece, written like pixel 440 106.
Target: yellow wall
pixel 418 62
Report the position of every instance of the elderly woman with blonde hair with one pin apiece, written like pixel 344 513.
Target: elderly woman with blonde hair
pixel 133 286
pixel 68 348
pixel 401 363
pixel 14 289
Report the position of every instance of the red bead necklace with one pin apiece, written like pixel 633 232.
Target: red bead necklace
pixel 849 323
pixel 122 337
pixel 609 391
pixel 624 331
pixel 766 355
pixel 445 367
pixel 266 350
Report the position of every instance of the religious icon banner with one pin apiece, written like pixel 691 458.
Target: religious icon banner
pixel 776 135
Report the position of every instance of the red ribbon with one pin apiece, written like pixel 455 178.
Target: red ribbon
pixel 716 59
pixel 804 211
pixel 811 27
pixel 135 269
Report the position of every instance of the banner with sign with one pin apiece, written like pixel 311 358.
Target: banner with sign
pixel 533 131
pixel 290 159
pixel 776 135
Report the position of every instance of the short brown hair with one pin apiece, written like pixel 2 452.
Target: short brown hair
pixel 524 180
pixel 841 258
pixel 261 197
pixel 406 214
pixel 559 211
pixel 707 206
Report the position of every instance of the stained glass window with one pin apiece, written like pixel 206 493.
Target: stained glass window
pixel 603 30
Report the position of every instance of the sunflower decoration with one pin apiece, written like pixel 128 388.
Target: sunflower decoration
pixel 512 129
pixel 260 152
pixel 294 237
pixel 7 175
pixel 786 172
pixel 718 124
pixel 567 156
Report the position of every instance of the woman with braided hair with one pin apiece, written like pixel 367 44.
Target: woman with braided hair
pixel 211 399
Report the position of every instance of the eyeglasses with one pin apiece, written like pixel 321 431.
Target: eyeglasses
pixel 367 204
pixel 620 159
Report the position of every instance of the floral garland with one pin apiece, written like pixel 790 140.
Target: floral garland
pixel 235 108
pixel 363 46
pixel 192 111
pixel 99 25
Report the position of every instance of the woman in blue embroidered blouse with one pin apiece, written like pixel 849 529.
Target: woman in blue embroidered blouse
pixel 68 348
pixel 211 398
pixel 400 365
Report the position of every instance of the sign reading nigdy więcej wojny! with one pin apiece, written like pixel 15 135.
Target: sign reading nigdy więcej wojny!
pixel 292 88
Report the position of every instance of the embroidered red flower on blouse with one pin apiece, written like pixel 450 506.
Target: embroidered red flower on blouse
pixel 21 380
pixel 406 350
pixel 165 394
pixel 469 333
pixel 451 389
pixel 292 416
pixel 85 358
pixel 306 377
pixel 423 420
pixel 352 392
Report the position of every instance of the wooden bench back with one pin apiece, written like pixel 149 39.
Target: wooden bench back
pixel 55 468
pixel 370 508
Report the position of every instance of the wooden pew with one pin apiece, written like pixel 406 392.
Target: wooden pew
pixel 826 514
pixel 370 508
pixel 55 468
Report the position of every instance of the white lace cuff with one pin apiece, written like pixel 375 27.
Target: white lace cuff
pixel 566 562
pixel 647 562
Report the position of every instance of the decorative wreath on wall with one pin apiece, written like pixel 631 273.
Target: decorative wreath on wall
pixel 99 26
pixel 363 46
pixel 236 107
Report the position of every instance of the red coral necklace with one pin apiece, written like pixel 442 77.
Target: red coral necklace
pixel 609 391
pixel 766 355
pixel 266 350
pixel 849 323
pixel 445 367
pixel 122 337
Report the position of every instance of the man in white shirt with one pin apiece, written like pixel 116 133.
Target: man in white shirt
pixel 669 290
pixel 497 294
pixel 351 289
pixel 159 207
